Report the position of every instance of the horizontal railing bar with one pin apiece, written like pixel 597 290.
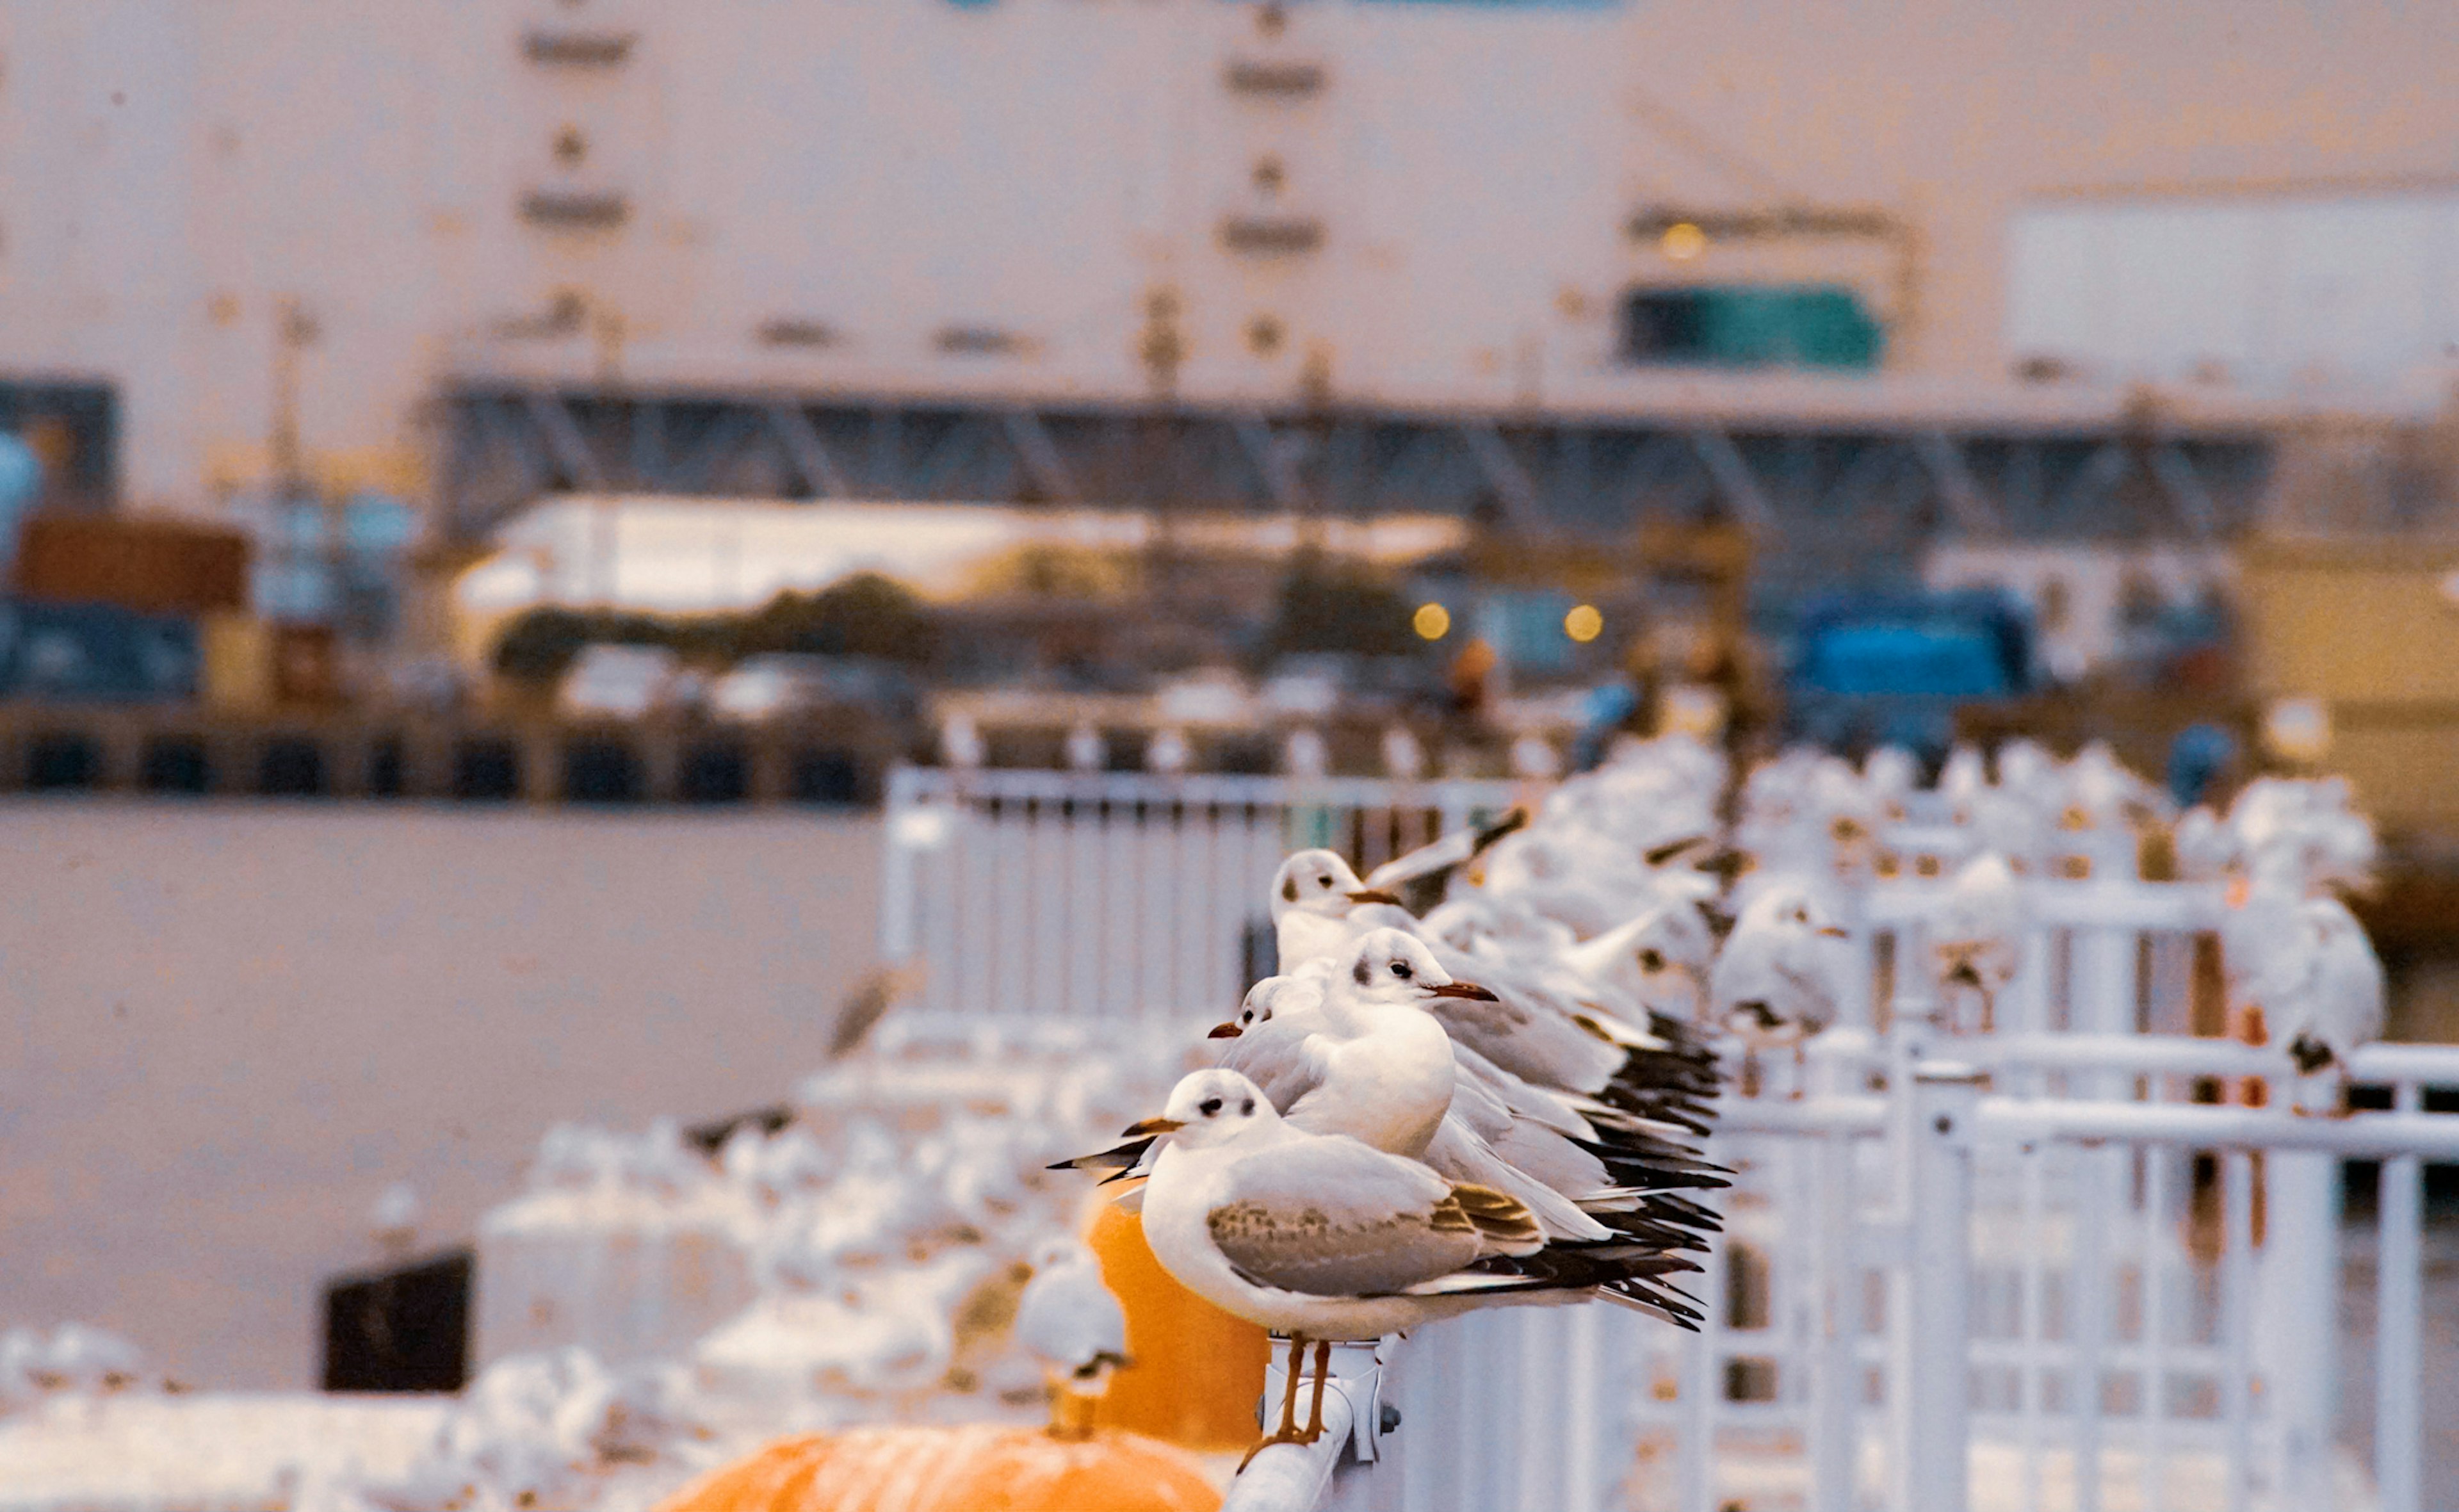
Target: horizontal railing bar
pixel 2100 902
pixel 1203 787
pixel 2204 1127
pixel 2432 1065
pixel 2193 1126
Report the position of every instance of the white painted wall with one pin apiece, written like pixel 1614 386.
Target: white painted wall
pixel 2280 293
pixel 893 167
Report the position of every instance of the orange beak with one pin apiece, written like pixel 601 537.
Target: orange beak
pixel 1225 1031
pixel 1375 895
pixel 1469 989
pixel 1152 1126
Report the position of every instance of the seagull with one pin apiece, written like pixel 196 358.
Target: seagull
pixel 1422 877
pixel 1977 935
pixel 1367 1059
pixel 1362 1056
pixel 1324 1237
pixel 1085 749
pixel 1069 1321
pixel 393 1220
pixel 1778 979
pixel 1314 894
pixel 1657 963
pixel 2313 983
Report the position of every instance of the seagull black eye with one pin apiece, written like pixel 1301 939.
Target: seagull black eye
pixel 1324 880
pixel 1208 1106
pixel 1400 969
pixel 1652 960
pixel 1246 1108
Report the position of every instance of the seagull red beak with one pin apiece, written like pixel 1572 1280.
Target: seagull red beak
pixel 1225 1031
pixel 1375 895
pixel 1152 1126
pixel 1469 989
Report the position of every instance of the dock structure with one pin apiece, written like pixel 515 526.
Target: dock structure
pixel 1813 468
pixel 175 749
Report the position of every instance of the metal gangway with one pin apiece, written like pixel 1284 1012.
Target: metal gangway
pixel 2035 1268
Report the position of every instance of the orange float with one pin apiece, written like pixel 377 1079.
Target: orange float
pixel 1197 1373
pixel 976 1468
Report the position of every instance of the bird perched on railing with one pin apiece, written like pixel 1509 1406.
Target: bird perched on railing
pixel 1976 942
pixel 2308 981
pixel 393 1221
pixel 1323 1237
pixel 1781 977
pixel 1069 1322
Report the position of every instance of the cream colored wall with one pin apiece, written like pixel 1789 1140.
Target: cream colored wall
pixel 893 167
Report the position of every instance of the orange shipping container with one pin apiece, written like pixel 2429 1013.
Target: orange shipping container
pixel 150 564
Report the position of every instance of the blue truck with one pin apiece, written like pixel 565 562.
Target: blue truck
pixel 1893 669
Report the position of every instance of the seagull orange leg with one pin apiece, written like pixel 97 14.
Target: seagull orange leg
pixel 1287 1432
pixel 1314 1408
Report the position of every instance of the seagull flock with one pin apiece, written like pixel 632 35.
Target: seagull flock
pixel 1484 1073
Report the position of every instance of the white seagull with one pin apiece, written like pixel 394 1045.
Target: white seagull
pixel 1069 1321
pixel 2319 985
pixel 1779 977
pixel 1976 938
pixel 1324 1237
pixel 1314 894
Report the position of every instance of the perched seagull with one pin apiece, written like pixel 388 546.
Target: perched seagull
pixel 1779 977
pixel 1314 894
pixel 2318 986
pixel 1085 749
pixel 1658 963
pixel 1422 879
pixel 393 1220
pixel 1324 1237
pixel 1069 1321
pixel 1976 939
pixel 1368 1061
pixel 1362 1056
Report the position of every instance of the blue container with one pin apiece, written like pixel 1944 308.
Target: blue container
pixel 96 654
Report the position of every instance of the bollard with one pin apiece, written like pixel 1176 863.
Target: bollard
pixel 1932 1440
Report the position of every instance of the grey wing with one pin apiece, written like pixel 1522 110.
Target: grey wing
pixel 1336 1217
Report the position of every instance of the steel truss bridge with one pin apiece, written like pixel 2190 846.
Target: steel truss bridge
pixel 1813 490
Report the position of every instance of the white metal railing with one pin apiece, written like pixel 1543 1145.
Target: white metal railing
pixel 2087 1291
pixel 1118 895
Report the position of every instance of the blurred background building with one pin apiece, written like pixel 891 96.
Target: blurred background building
pixel 454 253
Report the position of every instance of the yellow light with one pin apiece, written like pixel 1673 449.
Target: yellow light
pixel 1583 623
pixel 1432 621
pixel 1683 242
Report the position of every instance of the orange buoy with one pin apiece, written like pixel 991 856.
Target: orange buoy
pixel 974 1468
pixel 1197 1372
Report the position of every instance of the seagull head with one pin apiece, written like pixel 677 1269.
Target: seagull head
pixel 1266 999
pixel 1320 882
pixel 1210 1107
pixel 1393 966
pixel 1052 1254
pixel 1790 911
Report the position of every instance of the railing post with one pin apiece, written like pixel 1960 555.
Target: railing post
pixel 1335 1473
pixel 912 827
pixel 2398 1321
pixel 2295 1344
pixel 1933 1444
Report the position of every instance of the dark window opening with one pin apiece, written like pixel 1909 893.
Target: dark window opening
pixel 1751 325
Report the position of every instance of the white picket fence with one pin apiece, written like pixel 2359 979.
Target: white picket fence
pixel 2023 1270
